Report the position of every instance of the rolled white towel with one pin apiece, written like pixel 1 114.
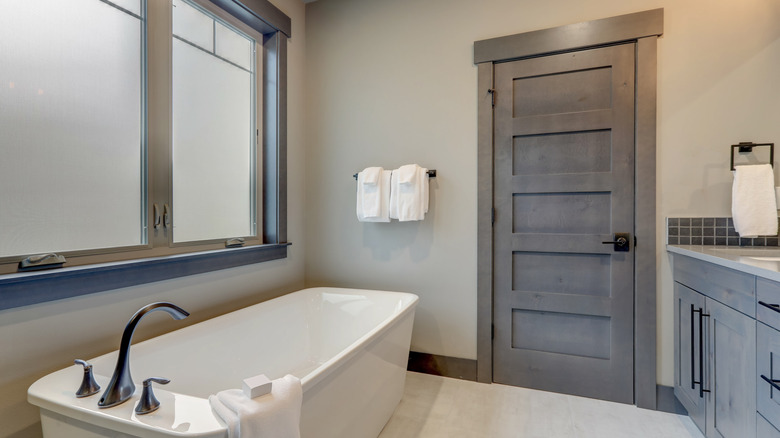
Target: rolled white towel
pixel 276 415
pixel 753 205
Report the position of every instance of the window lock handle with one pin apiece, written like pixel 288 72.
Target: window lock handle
pixel 156 214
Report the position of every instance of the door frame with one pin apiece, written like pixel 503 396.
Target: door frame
pixel 642 28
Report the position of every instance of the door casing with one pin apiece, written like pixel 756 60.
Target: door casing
pixel 644 28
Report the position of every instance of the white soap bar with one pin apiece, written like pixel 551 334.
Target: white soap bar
pixel 257 386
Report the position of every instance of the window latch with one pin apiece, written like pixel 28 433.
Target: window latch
pixel 156 214
pixel 166 216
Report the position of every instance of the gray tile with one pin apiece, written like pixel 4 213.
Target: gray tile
pixel 721 222
pixel 685 231
pixel 696 231
pixel 733 241
pixel 674 231
pixel 708 222
pixel 685 222
pixel 685 240
pixel 771 241
pixel 721 231
pixel 720 241
pixel 696 240
pixel 673 221
pixel 708 241
pixel 696 221
pixel 708 231
pixel 674 240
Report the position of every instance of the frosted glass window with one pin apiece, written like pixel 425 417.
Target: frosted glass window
pixel 213 146
pixel 233 46
pixel 71 126
pixel 192 25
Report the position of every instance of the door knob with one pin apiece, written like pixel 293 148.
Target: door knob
pixel 621 242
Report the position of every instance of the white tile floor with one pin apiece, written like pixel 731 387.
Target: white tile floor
pixel 434 407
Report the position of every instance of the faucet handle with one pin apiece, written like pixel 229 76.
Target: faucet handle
pixel 149 402
pixel 88 384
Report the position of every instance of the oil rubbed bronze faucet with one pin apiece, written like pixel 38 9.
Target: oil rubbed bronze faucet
pixel 121 386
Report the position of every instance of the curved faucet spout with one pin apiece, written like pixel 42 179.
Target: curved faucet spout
pixel 121 386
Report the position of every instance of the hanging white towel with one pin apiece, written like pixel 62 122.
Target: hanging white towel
pixel 409 193
pixel 373 199
pixel 275 415
pixel 753 205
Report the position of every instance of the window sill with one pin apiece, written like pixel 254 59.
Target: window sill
pixel 24 289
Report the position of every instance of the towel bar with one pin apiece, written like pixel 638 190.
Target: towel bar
pixel 747 146
pixel 431 174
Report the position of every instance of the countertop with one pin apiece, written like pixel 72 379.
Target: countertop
pixel 762 262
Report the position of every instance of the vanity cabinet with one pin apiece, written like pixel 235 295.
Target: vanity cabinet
pixel 715 347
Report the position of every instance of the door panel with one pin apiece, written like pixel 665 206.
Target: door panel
pixel 564 183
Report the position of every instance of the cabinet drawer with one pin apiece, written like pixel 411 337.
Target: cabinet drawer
pixel 733 288
pixel 767 299
pixel 767 365
pixel 764 428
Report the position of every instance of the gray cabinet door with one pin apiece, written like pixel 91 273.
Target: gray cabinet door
pixel 564 183
pixel 731 402
pixel 768 366
pixel 688 304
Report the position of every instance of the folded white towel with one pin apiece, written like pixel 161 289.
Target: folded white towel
pixel 753 205
pixel 409 193
pixel 373 199
pixel 275 415
pixel 371 175
pixel 369 192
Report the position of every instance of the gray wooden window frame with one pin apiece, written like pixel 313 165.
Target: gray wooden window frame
pixel 103 272
pixel 642 28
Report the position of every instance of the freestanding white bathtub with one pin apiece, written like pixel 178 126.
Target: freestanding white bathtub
pixel 349 348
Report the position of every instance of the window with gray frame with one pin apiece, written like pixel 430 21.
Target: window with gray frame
pixel 133 130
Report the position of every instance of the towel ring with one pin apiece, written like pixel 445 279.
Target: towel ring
pixel 431 174
pixel 747 146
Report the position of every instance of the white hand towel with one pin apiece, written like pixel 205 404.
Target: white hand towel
pixel 275 415
pixel 753 205
pixel 369 192
pixel 409 193
pixel 378 195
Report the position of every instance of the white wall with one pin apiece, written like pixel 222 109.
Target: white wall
pixel 39 339
pixel 392 82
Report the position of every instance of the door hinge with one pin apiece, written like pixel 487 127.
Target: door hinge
pixel 634 242
pixel 492 92
pixel 492 216
pixel 492 331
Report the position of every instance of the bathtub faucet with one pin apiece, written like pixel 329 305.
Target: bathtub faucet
pixel 121 386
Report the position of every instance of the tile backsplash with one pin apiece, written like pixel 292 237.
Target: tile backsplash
pixel 710 231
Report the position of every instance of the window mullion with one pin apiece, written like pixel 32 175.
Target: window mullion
pixel 159 52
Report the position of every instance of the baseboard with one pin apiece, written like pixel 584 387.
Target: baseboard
pixel 446 366
pixel 667 402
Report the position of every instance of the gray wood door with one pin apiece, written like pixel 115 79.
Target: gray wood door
pixel 731 403
pixel 689 351
pixel 564 183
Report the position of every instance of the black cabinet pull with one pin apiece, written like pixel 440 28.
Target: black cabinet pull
pixel 771 382
pixel 693 363
pixel 702 315
pixel 775 307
